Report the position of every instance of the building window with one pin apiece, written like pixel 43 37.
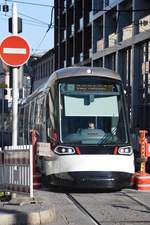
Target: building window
pixel 90 16
pixel 72 2
pixel 100 45
pixel 90 53
pixel 144 24
pixel 72 60
pixel 65 5
pixel 65 35
pixel 127 32
pixel 65 64
pixel 109 2
pixel 81 23
pixel 81 56
pixel 112 39
pixel 72 29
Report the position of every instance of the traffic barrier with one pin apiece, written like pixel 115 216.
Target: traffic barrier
pixel 18 169
pixel 142 179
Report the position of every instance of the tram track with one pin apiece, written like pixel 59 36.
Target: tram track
pixel 82 209
pixel 140 202
pixel 100 219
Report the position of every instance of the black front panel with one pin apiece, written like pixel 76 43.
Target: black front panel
pixel 99 180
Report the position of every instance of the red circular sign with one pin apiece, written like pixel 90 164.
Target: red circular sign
pixel 14 51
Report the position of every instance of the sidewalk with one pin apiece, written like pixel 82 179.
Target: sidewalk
pixel 24 211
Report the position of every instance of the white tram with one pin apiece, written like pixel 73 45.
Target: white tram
pixel 81 112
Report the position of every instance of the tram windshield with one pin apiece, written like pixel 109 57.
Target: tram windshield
pixel 92 113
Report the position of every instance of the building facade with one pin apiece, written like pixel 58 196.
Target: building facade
pixel 109 33
pixel 41 68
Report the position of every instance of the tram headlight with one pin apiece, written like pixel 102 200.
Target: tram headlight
pixel 125 150
pixel 64 150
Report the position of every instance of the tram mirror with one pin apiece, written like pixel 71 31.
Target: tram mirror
pixel 88 99
pixel 91 98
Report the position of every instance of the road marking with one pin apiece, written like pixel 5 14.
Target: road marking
pixel 22 51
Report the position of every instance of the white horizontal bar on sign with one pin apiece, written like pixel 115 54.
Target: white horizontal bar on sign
pixel 14 51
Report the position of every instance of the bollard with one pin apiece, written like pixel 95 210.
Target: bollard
pixel 142 141
pixel 142 179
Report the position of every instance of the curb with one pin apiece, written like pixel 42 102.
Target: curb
pixel 33 218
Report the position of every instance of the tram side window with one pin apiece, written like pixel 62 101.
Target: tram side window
pixel 32 115
pixel 50 122
pixel 31 124
pixel 40 118
pixel 44 138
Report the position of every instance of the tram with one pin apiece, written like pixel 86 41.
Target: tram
pixel 81 112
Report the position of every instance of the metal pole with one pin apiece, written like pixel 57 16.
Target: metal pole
pixel 15 81
pixel 31 171
pixel 3 105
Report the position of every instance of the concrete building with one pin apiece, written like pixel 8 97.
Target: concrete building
pixel 41 68
pixel 109 33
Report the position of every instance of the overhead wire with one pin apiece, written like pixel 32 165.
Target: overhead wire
pixel 35 22
pixel 95 10
pixel 33 19
pixel 31 3
pixel 49 27
pixel 28 22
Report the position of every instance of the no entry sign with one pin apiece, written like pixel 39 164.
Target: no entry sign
pixel 14 51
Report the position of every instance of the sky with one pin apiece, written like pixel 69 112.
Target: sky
pixel 36 17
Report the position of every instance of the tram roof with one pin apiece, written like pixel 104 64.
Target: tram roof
pixel 85 71
pixel 76 72
pixel 81 71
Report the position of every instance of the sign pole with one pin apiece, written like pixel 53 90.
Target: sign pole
pixel 15 82
pixel 14 52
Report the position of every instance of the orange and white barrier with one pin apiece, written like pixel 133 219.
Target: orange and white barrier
pixel 142 179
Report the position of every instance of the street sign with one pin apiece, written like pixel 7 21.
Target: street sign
pixel 14 51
